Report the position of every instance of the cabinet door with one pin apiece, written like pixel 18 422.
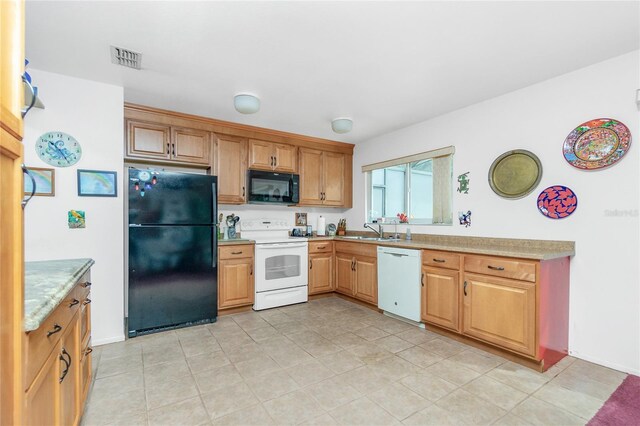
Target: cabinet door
pixel 500 311
pixel 236 283
pixel 11 265
pixel 85 373
pixel 286 158
pixel 320 273
pixel 366 279
pixel 190 145
pixel 333 178
pixel 12 65
pixel 440 297
pixel 42 399
pixel 70 384
pixel 146 140
pixel 310 177
pixel 344 274
pixel 261 155
pixel 231 168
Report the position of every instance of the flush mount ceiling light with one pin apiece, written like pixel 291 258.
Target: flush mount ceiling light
pixel 246 103
pixel 342 125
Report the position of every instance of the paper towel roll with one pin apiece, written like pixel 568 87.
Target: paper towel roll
pixel 321 226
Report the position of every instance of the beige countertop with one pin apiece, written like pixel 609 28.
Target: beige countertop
pixel 507 247
pixel 235 242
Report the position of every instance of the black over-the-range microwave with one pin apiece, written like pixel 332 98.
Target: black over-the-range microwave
pixel 272 187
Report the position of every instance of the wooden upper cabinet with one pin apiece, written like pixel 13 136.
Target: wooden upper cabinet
pixel 272 156
pixel 190 145
pixel 261 155
pixel 230 165
pixel 286 158
pixel 324 178
pixel 148 140
pixel 500 311
pixel 310 176
pixel 12 66
pixel 333 178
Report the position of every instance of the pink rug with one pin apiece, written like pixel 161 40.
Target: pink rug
pixel 623 406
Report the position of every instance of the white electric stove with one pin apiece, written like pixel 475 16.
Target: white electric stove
pixel 281 275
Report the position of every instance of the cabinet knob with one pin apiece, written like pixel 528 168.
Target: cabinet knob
pixel 496 268
pixel 73 303
pixel 422 279
pixel 464 288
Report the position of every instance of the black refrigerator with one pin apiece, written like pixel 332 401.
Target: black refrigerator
pixel 172 250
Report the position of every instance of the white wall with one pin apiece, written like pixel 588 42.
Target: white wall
pixel 604 306
pixel 92 113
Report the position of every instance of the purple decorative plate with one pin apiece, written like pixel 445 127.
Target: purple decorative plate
pixel 597 144
pixel 557 202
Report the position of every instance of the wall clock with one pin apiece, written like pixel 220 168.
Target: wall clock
pixel 58 149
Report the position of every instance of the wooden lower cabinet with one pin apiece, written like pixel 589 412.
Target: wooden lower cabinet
pixel 235 276
pixel 357 276
pixel 344 274
pixel 440 297
pixel 321 274
pixel 70 356
pixel 57 390
pixel 41 399
pixel 501 311
pixel 365 276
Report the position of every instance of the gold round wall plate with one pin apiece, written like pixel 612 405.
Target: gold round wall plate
pixel 515 174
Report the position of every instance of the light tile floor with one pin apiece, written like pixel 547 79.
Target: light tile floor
pixel 327 362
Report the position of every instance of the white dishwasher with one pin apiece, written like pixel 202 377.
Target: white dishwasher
pixel 399 282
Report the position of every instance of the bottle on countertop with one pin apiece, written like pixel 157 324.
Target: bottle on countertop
pixel 407 235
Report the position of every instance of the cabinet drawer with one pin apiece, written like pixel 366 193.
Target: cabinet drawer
pixel 501 267
pixel 441 259
pixel 320 247
pixel 41 342
pixel 364 249
pixel 235 252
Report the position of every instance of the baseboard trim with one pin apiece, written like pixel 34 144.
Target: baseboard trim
pixel 107 340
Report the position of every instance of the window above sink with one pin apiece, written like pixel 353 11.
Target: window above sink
pixel 419 186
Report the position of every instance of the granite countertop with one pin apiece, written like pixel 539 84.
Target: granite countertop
pixel 46 284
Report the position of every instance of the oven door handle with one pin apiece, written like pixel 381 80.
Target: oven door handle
pixel 280 246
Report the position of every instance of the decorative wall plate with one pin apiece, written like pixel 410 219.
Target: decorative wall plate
pixel 557 202
pixel 515 174
pixel 597 144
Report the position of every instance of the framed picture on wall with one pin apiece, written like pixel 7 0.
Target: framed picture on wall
pixel 97 183
pixel 45 181
pixel 301 219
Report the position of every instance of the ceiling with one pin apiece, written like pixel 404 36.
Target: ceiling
pixel 385 64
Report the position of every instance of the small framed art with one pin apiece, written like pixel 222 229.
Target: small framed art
pixel 97 183
pixel 301 219
pixel 45 180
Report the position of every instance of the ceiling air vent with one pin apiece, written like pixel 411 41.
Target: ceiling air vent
pixel 126 58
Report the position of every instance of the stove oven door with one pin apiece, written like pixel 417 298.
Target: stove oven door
pixel 280 265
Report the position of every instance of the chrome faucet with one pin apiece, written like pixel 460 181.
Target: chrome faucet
pixel 379 231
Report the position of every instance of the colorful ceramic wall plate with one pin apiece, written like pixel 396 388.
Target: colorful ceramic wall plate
pixel 557 202
pixel 597 144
